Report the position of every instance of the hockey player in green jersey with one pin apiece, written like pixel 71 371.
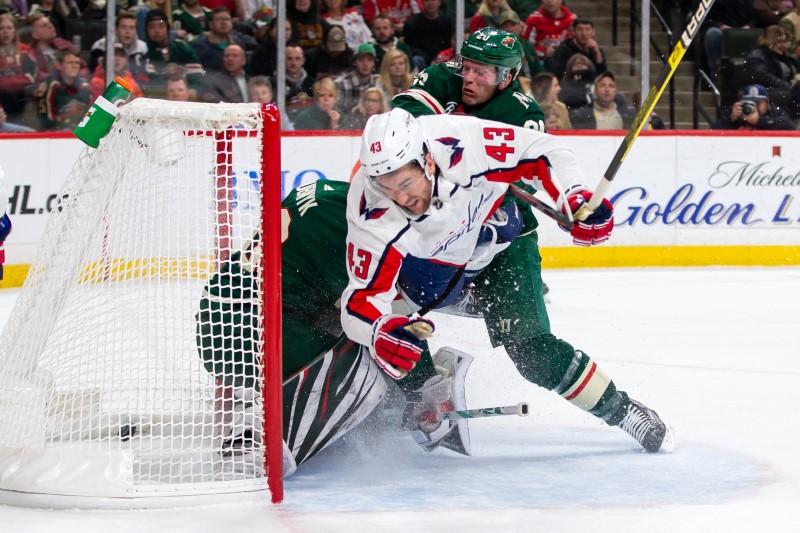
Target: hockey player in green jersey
pixel 317 359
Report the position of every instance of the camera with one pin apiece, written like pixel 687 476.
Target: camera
pixel 748 107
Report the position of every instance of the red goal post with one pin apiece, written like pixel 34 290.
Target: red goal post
pixel 136 370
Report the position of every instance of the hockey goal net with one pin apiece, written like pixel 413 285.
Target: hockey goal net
pixel 105 399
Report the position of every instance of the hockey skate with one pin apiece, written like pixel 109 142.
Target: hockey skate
pixel 443 392
pixel 644 425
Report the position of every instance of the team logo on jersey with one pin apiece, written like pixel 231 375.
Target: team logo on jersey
pixel 456 151
pixel 367 213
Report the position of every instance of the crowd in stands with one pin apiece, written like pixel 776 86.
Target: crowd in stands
pixel 346 59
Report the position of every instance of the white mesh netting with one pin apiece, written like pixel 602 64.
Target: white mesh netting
pixel 102 389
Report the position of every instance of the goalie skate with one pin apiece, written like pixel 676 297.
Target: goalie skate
pixel 644 425
pixel 443 392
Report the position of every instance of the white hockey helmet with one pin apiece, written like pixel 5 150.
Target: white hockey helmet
pixel 391 141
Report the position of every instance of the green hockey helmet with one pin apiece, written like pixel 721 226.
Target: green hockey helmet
pixel 495 47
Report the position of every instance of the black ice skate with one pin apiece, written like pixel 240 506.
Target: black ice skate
pixel 644 425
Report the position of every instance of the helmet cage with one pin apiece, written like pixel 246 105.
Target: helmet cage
pixel 501 73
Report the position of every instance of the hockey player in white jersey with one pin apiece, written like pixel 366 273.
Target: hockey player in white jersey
pixel 415 216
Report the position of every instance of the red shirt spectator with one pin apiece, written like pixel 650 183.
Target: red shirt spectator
pixel 44 45
pixel 548 26
pixel 397 10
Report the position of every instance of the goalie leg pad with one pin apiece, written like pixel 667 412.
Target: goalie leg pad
pixel 329 397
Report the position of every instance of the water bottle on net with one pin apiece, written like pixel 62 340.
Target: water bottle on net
pixel 100 117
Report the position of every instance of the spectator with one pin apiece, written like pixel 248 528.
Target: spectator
pixel 754 112
pixel 98 83
pixel 791 22
pixel 577 83
pixel 144 8
pixel 125 26
pixel 769 64
pixel 331 57
pixel 582 42
pixel 321 115
pixel 395 76
pixel 725 15
pixel 545 89
pixel 298 82
pixel 604 114
pixel 548 27
pixel 16 65
pixel 259 90
pixel 57 11
pixel 229 84
pixel 63 98
pixel 265 57
pixel 550 118
pixel 398 11
pixel 167 56
pixel 178 89
pixel 308 28
pixel 384 39
pixel 210 45
pixel 192 17
pixel 372 102
pixel 355 29
pixel 44 44
pixel 531 65
pixel 351 85
pixel 9 127
pixel 488 14
pixel 428 33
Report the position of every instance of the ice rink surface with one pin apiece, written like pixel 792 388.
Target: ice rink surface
pixel 716 351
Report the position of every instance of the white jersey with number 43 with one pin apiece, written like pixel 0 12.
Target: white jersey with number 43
pixel 476 161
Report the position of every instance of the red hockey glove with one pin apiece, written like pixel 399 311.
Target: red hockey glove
pixel 397 343
pixel 596 229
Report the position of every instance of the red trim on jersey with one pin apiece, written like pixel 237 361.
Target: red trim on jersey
pixel 528 168
pixel 429 101
pixel 495 207
pixel 583 383
pixel 382 282
pixel 445 263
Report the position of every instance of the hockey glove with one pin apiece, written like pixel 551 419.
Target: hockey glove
pixel 596 229
pixel 397 343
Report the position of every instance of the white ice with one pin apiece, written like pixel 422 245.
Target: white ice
pixel 716 351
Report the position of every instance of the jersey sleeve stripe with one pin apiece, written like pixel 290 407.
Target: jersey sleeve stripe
pixel 537 169
pixel 425 98
pixel 358 305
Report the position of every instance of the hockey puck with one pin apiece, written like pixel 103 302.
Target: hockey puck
pixel 127 431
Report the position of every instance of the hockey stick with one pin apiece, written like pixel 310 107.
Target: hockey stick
pixel 649 104
pixel 520 409
pixel 563 219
